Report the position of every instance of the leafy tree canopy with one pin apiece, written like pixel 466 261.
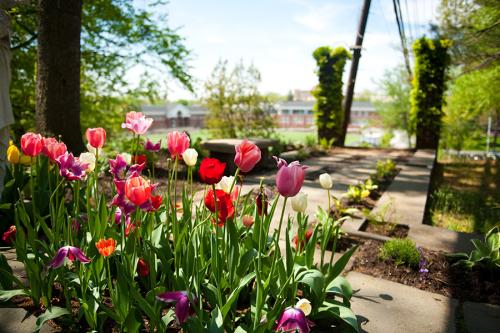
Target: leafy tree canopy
pixel 116 36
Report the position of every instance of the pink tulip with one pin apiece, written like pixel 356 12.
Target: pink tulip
pixel 293 320
pixel 289 178
pixel 182 304
pixel 177 143
pixel 247 156
pixel 71 253
pixel 70 167
pixel 31 144
pixel 96 137
pixel 152 147
pixel 53 148
pixel 137 123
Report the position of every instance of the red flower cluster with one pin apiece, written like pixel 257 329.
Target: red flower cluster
pixel 211 171
pixel 225 207
pixel 302 244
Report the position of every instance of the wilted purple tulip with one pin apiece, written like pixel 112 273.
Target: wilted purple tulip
pixel 72 253
pixel 293 319
pixel 152 147
pixel 290 177
pixel 70 167
pixel 118 166
pixel 182 304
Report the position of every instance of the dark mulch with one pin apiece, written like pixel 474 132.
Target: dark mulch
pixel 476 285
pixel 387 229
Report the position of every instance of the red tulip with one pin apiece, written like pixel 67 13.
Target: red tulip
pixel 96 137
pixel 177 143
pixel 31 144
pixel 248 221
pixel 211 171
pixel 247 156
pixel 295 239
pixel 138 190
pixel 9 235
pixel 225 207
pixel 142 268
pixel 53 148
pixel 139 159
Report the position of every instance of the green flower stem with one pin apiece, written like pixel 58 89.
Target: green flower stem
pixel 217 246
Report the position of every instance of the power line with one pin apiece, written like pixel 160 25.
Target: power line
pixel 410 30
pixel 402 36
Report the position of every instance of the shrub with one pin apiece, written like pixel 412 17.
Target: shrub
pixel 385 169
pixel 401 251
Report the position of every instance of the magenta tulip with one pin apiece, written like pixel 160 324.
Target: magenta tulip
pixel 71 253
pixel 247 155
pixel 177 143
pixel 182 303
pixel 289 178
pixel 70 167
pixel 152 147
pixel 293 320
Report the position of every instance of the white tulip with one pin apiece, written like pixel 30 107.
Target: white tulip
pixel 88 158
pixel 299 202
pixel 94 150
pixel 127 157
pixel 304 305
pixel 326 181
pixel 226 183
pixel 190 156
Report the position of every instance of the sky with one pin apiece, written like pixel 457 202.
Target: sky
pixel 279 36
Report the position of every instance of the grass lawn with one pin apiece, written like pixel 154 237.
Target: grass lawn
pixel 283 134
pixel 466 196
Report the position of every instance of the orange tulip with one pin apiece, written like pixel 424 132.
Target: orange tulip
pixel 106 247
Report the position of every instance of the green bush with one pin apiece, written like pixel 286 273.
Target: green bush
pixel 385 169
pixel 401 251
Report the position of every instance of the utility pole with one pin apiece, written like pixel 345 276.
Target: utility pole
pixel 356 54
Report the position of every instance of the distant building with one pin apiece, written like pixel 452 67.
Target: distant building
pixel 303 96
pixel 290 114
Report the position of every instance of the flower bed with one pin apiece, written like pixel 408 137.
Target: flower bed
pixel 147 259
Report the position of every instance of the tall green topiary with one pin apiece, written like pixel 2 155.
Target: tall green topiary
pixel 328 108
pixel 429 83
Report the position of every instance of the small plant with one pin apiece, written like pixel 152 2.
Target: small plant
pixel 487 253
pixel 401 251
pixel 385 169
pixel 356 193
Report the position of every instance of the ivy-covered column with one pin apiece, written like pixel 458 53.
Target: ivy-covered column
pixel 429 83
pixel 328 108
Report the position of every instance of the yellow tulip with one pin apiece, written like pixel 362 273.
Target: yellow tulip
pixel 13 154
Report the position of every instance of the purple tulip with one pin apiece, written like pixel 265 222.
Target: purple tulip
pixel 293 319
pixel 290 177
pixel 152 147
pixel 70 167
pixel 68 251
pixel 117 166
pixel 182 303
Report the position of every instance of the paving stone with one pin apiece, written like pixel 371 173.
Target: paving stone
pixel 17 320
pixel 481 317
pixel 441 239
pixel 423 158
pixel 384 307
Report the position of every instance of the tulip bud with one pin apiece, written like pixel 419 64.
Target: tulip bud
pixel 13 155
pixel 142 268
pixel 299 202
pixel 325 181
pixel 304 305
pixel 190 156
pixel 247 221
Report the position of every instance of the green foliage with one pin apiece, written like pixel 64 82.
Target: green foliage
pixel 236 108
pixel 395 111
pixel 328 110
pixel 116 36
pixel 486 254
pixel 473 97
pixel 401 251
pixel 356 193
pixel 431 63
pixel 385 169
pixel 385 141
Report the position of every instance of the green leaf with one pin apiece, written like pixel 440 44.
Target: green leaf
pixel 314 279
pixel 339 311
pixel 340 264
pixel 245 261
pixel 168 318
pixel 234 295
pixel 50 313
pixel 5 280
pixel 5 295
pixel 216 324
pixel 340 286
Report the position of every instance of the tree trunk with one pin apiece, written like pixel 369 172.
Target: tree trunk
pixel 58 74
